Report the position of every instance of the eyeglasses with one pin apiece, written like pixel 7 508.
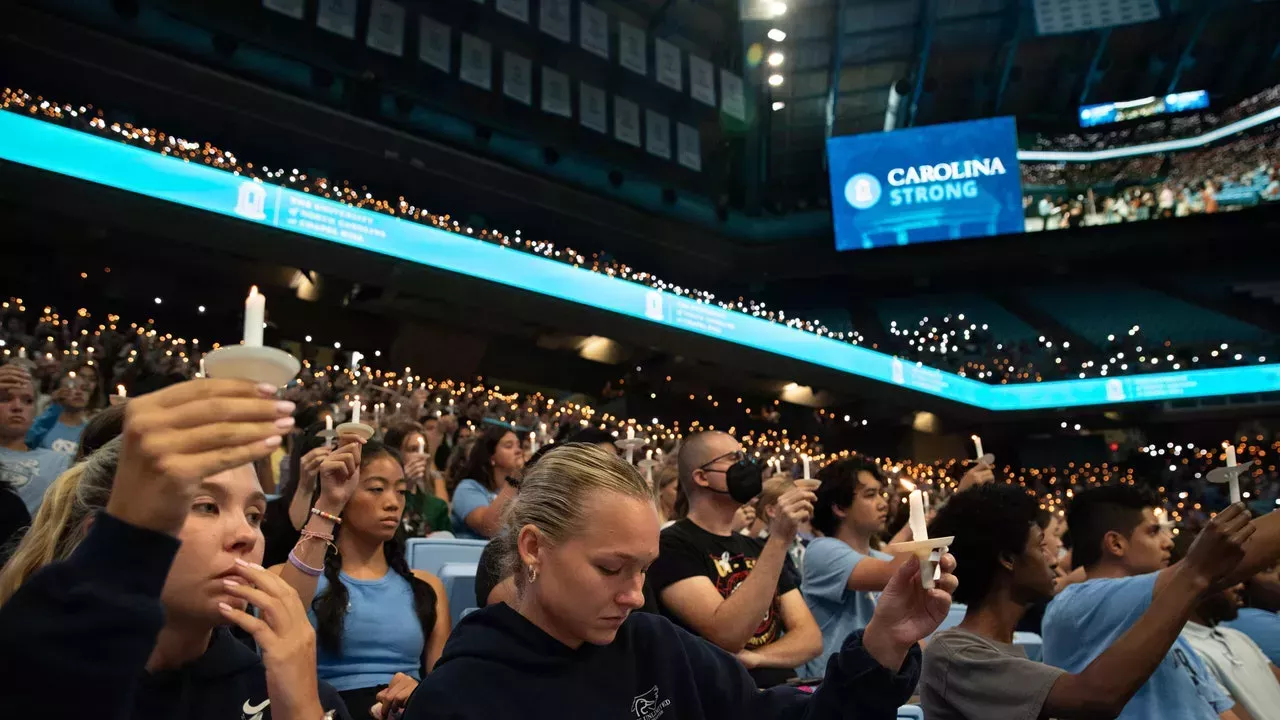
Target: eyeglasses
pixel 736 456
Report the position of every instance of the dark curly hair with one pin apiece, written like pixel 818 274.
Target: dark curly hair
pixel 1097 511
pixel 989 522
pixel 839 486
pixel 330 606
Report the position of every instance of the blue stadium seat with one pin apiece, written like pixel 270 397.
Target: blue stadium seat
pixel 954 616
pixel 1031 643
pixel 431 554
pixel 910 712
pixel 459 579
pixel 1092 313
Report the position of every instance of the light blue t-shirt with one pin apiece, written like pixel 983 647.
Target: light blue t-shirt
pixel 64 438
pixel 1087 618
pixel 828 562
pixel 381 635
pixel 32 472
pixel 1262 627
pixel 468 497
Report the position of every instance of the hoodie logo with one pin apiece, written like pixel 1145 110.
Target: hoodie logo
pixel 646 706
pixel 254 712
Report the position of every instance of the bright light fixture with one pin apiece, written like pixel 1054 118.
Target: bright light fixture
pixel 775 59
pixel 778 105
pixel 775 80
pixel 777 35
pixel 777 8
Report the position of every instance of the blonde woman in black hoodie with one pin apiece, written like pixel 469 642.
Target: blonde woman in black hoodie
pixel 579 537
pixel 117 602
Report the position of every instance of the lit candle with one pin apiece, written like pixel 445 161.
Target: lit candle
pixel 22 353
pixel 203 374
pixel 1233 478
pixel 631 432
pixel 919 530
pixel 120 391
pixel 805 459
pixel 977 443
pixel 422 445
pixel 355 410
pixel 328 423
pixel 533 443
pixel 255 311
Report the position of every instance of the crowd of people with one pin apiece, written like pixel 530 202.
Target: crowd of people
pixel 983 358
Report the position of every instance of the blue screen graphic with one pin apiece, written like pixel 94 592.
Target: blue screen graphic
pixel 1113 112
pixel 941 182
pixel 43 145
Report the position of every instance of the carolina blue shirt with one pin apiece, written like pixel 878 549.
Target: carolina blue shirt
pixel 1262 627
pixel 828 562
pixel 381 635
pixel 468 497
pixel 31 473
pixel 63 438
pixel 1087 618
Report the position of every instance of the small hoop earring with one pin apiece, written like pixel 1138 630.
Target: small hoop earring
pixel 533 574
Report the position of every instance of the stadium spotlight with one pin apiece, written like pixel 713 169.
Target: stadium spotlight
pixel 775 80
pixel 777 35
pixel 775 59
pixel 777 8
pixel 778 105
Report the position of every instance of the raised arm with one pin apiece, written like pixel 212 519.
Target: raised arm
pixel 486 519
pixel 1105 686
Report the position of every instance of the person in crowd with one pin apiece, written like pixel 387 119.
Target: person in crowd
pixel 448 428
pixel 841 569
pixel 131 573
pixel 99 431
pixel 479 499
pixel 380 625
pixel 1258 618
pixel 71 397
pixel 578 539
pixel 1124 550
pixel 1235 661
pixel 667 481
pixel 766 506
pixel 1004 563
pixel 14 519
pixel 595 436
pixel 426 510
pixel 739 593
pixel 28 471
pixel 291 509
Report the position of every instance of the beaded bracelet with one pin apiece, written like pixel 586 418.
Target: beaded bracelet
pixel 327 516
pixel 303 567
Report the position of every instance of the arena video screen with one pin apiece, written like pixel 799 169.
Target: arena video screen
pixel 1114 112
pixel 32 142
pixel 928 184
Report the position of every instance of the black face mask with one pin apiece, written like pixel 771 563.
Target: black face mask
pixel 744 479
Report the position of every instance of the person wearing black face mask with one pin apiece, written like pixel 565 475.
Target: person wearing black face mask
pixel 719 584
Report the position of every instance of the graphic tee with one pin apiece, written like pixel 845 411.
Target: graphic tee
pixel 687 550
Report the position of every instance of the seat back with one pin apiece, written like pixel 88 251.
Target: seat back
pixel 954 616
pixel 459 579
pixel 431 554
pixel 910 712
pixel 1031 643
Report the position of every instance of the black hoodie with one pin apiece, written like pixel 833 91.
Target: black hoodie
pixel 75 639
pixel 497 664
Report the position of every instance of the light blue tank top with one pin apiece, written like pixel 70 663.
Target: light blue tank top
pixel 380 637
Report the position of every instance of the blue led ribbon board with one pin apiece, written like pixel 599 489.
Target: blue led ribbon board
pixel 57 149
pixel 940 182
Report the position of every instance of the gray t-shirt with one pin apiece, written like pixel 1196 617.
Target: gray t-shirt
pixel 968 677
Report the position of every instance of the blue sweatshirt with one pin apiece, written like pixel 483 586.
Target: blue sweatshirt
pixel 76 637
pixel 497 664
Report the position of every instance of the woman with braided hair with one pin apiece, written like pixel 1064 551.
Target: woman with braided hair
pixel 379 625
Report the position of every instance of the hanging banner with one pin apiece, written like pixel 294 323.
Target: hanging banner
pixel 293 8
pixel 732 102
pixel 515 9
pixel 657 134
pixel 555 93
pixel 702 83
pixel 553 19
pixel 631 53
pixel 338 17
pixel 626 121
pixel 689 147
pixel 476 64
pixel 594 30
pixel 666 58
pixel 386 27
pixel 434 44
pixel 591 109
pixel 517 77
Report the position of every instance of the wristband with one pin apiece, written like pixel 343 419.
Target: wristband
pixel 303 567
pixel 327 516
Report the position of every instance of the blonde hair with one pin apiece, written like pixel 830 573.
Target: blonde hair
pixel 773 488
pixel 61 522
pixel 554 493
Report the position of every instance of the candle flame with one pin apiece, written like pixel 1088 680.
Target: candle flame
pixel 253 290
pixel 975 438
pixel 907 485
pixel 120 390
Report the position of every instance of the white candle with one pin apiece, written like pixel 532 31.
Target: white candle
pixel 355 411
pixel 977 443
pixel 328 423
pixel 648 474
pixel 422 445
pixel 631 432
pixel 533 443
pixel 1233 479
pixel 202 372
pixel 805 460
pixel 918 528
pixel 22 353
pixel 255 312
pixel 925 497
pixel 120 391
